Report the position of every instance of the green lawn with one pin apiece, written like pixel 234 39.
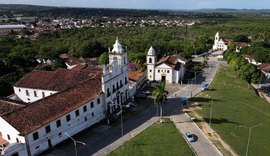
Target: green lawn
pixel 236 107
pixel 159 139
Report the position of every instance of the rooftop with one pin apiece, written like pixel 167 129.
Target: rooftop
pixel 264 67
pixel 135 75
pixel 171 61
pixel 19 26
pixel 46 110
pixel 2 141
pixel 8 106
pixel 58 80
pixel 249 57
pixel 241 44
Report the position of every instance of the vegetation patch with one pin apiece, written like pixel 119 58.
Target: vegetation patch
pixel 159 139
pixel 234 110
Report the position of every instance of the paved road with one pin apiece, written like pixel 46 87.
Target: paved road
pixel 203 146
pixel 98 139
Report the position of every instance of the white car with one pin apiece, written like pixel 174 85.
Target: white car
pixel 189 137
pixel 146 92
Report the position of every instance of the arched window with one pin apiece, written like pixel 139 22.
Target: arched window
pixel 150 60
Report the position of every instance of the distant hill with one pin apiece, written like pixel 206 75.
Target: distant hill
pixel 35 10
pixel 225 10
pixel 23 8
pixel 69 11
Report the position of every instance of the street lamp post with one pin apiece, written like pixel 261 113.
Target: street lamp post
pixel 75 143
pixel 121 109
pixel 250 129
pixel 122 127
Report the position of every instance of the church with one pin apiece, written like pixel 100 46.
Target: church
pixel 170 68
pixel 219 44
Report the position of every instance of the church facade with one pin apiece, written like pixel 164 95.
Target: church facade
pixel 219 43
pixel 170 69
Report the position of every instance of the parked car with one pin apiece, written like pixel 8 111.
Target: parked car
pixel 140 95
pixel 189 137
pixel 146 92
pixel 205 87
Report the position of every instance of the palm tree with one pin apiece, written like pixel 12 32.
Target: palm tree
pixel 160 95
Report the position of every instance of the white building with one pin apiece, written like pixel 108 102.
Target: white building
pixel 115 77
pixel 136 80
pixel 219 43
pixel 90 95
pixel 170 69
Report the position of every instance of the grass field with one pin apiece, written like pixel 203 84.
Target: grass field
pixel 236 107
pixel 159 139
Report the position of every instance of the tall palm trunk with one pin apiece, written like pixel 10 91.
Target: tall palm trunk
pixel 160 120
pixel 157 109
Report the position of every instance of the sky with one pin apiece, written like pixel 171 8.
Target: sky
pixel 150 4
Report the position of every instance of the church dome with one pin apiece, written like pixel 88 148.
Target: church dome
pixel 117 47
pixel 151 51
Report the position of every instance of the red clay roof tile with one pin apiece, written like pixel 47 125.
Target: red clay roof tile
pixel 135 75
pixel 8 106
pixel 37 114
pixel 58 80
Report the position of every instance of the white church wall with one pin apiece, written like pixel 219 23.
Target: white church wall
pixel 31 95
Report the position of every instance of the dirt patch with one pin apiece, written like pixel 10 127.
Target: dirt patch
pixel 212 135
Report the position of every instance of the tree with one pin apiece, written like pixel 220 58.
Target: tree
pixel 104 58
pixel 241 38
pixel 246 72
pixel 160 96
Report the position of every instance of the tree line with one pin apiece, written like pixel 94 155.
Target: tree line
pixel 18 56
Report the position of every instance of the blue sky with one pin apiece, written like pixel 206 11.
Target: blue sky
pixel 150 4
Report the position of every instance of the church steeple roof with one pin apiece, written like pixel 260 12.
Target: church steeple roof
pixel 117 47
pixel 151 51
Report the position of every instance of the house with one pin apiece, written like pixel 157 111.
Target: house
pixel 65 101
pixel 219 43
pixel 265 68
pixel 240 45
pixel 136 80
pixel 251 59
pixel 170 69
